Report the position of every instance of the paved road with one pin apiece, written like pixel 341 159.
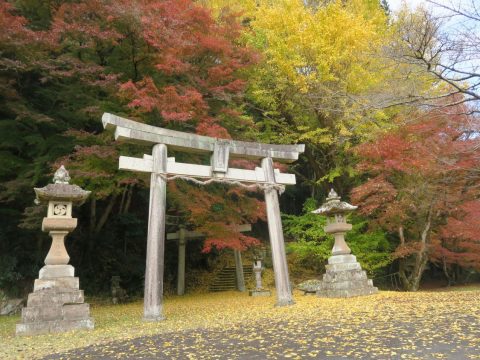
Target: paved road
pixel 453 337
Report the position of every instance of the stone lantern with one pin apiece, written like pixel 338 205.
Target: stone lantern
pixel 57 304
pixel 258 269
pixel 344 276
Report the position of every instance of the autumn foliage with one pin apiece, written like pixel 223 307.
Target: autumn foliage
pixel 320 73
pixel 423 185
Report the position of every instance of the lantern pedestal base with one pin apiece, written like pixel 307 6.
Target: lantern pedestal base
pixel 56 304
pixel 345 278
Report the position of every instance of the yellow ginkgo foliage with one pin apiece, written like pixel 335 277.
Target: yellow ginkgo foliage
pixel 334 43
pixel 324 77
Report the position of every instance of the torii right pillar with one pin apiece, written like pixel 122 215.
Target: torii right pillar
pixel 277 243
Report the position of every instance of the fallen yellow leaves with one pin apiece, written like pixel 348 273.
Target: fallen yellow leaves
pixel 234 325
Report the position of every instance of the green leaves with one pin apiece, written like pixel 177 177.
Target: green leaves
pixel 311 247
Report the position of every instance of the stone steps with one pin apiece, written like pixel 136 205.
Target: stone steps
pixel 226 280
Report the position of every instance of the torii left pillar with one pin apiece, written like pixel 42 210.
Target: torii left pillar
pixel 153 298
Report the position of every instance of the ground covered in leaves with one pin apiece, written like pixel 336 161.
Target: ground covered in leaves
pixel 390 325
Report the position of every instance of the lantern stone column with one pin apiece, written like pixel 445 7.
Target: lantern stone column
pixel 57 303
pixel 344 276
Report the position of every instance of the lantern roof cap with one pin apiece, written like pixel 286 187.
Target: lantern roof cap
pixel 61 190
pixel 333 205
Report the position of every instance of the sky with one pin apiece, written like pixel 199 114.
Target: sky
pixel 397 4
pixel 452 26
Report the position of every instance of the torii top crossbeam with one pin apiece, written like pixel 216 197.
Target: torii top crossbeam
pixel 133 131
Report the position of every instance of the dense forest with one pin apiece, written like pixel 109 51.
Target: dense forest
pixel 385 103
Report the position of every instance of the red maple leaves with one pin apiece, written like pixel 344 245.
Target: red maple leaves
pixel 425 186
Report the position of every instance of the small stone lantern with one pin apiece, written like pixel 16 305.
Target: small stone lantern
pixel 344 276
pixel 258 270
pixel 57 304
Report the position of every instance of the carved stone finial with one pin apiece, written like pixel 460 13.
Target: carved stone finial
pixel 333 205
pixel 61 176
pixel 332 195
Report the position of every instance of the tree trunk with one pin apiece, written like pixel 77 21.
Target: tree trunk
pixel 450 278
pixel 128 202
pixel 422 256
pixel 103 219
pixel 93 214
pixel 122 201
pixel 402 274
pixel 402 262
pixel 412 281
pixel 417 272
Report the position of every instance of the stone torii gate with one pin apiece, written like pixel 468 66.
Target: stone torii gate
pixel 163 169
pixel 182 236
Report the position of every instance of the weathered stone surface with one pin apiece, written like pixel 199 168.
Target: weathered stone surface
pixel 66 224
pixel 347 293
pixel 133 131
pixel 56 271
pixel 59 192
pixel 153 298
pixel 277 243
pixel 56 304
pixel 66 282
pixel 54 326
pixel 259 293
pixel 343 266
pixel 356 275
pixel 75 311
pixel 239 271
pixel 55 297
pixel 345 278
pixel 342 259
pixel 41 313
pixel 55 310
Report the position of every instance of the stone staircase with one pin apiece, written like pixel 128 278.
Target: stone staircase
pixel 226 279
